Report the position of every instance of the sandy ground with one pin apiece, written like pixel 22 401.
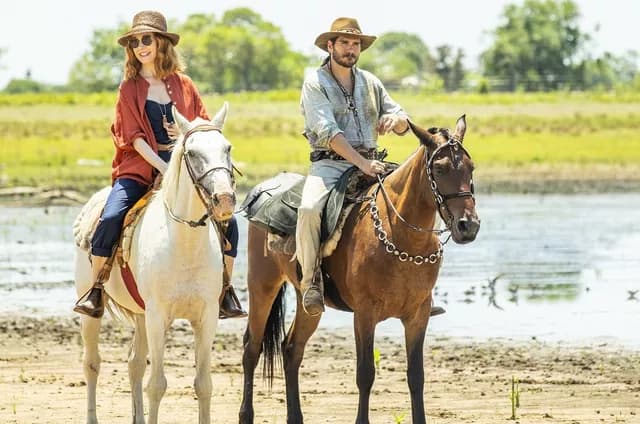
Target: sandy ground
pixel 41 379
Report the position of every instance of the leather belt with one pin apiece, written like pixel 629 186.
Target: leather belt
pixel 317 155
pixel 165 147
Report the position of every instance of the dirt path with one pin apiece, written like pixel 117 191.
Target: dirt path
pixel 41 379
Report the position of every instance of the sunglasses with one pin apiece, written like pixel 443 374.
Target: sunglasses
pixel 135 42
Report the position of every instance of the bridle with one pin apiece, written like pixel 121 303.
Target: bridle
pixel 197 180
pixel 441 204
pixel 454 145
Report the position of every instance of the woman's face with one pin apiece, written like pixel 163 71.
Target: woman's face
pixel 145 47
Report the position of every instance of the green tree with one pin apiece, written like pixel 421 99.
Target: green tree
pixel 537 45
pixel 101 68
pixel 398 55
pixel 25 85
pixel 449 67
pixel 242 51
pixel 607 71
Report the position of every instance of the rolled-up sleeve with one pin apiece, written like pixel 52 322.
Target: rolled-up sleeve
pixel 320 123
pixel 388 106
pixel 125 128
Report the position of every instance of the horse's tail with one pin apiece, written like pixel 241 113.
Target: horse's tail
pixel 274 335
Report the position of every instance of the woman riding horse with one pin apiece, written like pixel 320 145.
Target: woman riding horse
pixel 144 133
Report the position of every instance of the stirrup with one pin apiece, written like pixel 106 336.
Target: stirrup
pixel 313 296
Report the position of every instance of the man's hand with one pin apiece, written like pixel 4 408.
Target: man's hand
pixel 388 123
pixel 373 167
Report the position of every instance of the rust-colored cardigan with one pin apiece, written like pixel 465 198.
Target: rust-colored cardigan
pixel 131 122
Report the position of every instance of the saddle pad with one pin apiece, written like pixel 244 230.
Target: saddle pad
pixel 274 203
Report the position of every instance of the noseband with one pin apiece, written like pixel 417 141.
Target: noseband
pixel 197 180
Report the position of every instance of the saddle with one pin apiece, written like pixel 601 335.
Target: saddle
pixel 273 205
pixel 85 225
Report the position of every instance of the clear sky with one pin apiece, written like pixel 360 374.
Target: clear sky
pixel 47 36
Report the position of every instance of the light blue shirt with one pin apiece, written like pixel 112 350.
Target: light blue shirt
pixel 326 112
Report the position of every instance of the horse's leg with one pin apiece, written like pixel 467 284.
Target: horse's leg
pixel 204 331
pixel 414 331
pixel 137 366
pixel 156 335
pixel 364 327
pixel 261 297
pixel 302 328
pixel 90 328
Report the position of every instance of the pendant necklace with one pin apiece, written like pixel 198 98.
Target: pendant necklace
pixel 163 110
pixel 349 98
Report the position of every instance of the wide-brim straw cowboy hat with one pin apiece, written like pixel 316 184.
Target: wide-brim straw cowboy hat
pixel 345 27
pixel 148 21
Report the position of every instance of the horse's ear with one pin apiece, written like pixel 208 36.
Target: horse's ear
pixel 182 122
pixel 425 136
pixel 461 128
pixel 221 116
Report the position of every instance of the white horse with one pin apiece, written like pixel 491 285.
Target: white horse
pixel 176 259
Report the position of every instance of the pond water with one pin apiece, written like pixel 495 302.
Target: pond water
pixel 566 268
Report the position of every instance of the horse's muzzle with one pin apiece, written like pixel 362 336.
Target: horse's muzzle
pixel 223 205
pixel 466 229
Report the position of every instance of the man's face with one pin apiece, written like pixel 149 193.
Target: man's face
pixel 345 51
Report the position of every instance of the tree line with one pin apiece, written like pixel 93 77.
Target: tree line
pixel 538 46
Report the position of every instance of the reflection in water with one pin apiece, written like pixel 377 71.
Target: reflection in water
pixel 538 261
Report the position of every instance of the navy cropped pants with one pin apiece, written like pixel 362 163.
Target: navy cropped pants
pixel 124 194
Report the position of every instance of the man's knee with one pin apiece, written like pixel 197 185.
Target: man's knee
pixel 310 210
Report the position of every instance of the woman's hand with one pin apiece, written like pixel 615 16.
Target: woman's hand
pixel 172 129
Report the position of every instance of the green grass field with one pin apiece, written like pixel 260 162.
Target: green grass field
pixel 63 141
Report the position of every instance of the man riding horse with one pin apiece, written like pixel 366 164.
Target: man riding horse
pixel 345 109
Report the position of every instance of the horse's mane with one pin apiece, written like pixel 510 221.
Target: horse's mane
pixel 170 178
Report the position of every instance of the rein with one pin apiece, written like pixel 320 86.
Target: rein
pixel 197 180
pixel 441 204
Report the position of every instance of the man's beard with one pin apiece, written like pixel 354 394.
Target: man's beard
pixel 347 60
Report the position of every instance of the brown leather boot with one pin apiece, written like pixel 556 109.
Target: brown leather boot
pixel 230 306
pixel 313 295
pixel 436 310
pixel 93 303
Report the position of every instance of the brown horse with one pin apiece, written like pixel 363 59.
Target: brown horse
pixel 385 266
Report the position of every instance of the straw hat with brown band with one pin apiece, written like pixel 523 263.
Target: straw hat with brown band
pixel 148 21
pixel 345 27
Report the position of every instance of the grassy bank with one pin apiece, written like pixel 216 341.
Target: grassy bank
pixel 519 142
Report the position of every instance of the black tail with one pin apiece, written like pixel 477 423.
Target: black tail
pixel 274 335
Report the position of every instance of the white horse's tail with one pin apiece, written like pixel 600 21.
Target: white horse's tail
pixel 116 311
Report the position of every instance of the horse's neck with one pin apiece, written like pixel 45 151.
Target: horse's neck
pixel 409 191
pixel 182 200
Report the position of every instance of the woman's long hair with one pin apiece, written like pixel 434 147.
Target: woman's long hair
pixel 167 61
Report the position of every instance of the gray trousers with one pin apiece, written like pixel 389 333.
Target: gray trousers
pixel 323 175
